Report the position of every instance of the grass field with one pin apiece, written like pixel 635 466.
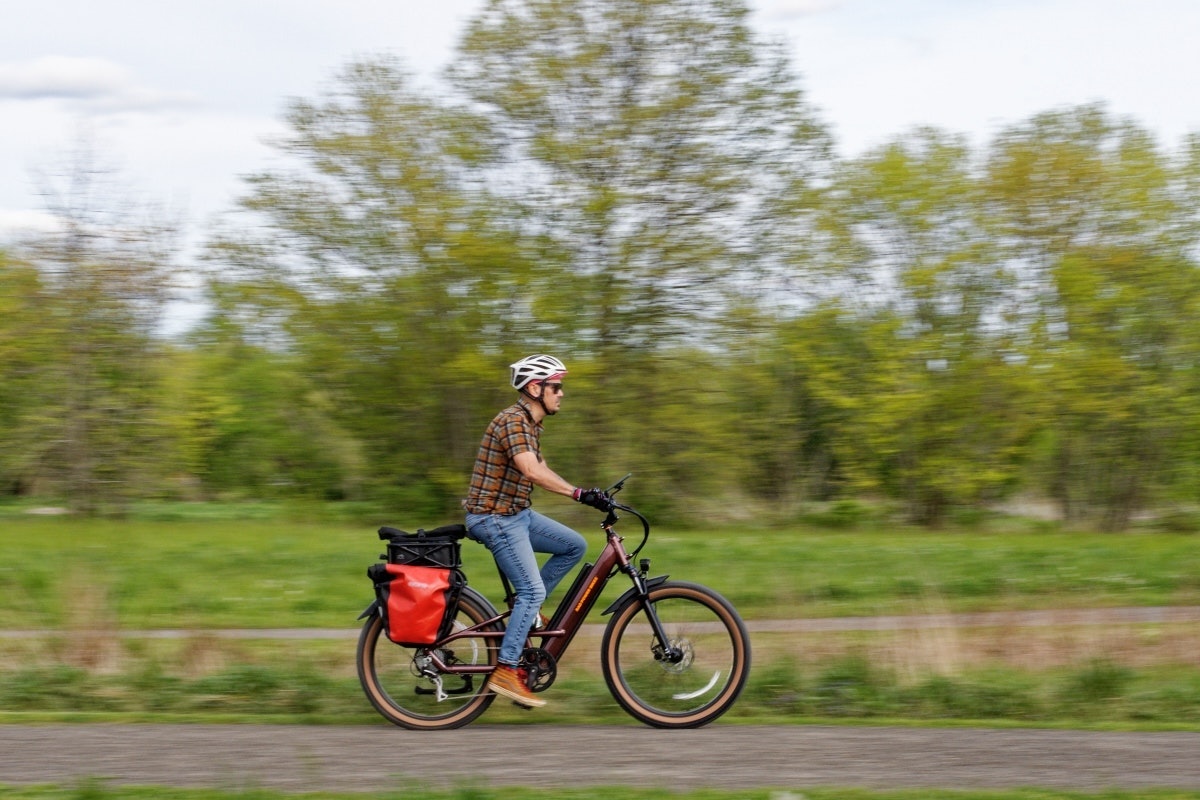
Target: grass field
pixel 91 583
pixel 283 573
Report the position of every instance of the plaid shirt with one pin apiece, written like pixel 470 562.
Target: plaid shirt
pixel 497 486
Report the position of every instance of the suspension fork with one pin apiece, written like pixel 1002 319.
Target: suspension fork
pixel 663 650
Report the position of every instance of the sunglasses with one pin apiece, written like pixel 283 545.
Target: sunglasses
pixel 554 387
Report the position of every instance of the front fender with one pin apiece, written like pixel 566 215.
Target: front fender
pixel 632 592
pixel 370 610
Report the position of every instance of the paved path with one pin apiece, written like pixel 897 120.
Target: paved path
pixel 381 758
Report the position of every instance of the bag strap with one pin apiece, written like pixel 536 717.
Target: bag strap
pixel 458 531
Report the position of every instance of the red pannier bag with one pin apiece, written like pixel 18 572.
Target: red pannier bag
pixel 417 603
pixel 418 588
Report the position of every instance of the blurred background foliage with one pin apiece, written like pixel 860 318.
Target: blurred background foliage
pixel 753 324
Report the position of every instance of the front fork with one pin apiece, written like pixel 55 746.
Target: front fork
pixel 662 648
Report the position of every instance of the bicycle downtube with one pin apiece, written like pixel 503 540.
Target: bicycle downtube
pixel 577 604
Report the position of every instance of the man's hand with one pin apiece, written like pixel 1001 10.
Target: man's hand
pixel 596 498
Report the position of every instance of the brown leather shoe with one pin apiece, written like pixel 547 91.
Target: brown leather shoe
pixel 507 681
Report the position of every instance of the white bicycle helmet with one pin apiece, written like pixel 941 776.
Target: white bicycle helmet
pixel 536 368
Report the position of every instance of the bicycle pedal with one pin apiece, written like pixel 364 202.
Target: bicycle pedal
pixel 522 706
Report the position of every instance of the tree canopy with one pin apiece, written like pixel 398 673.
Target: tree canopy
pixel 642 188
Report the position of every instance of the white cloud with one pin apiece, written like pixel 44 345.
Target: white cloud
pixel 57 76
pixel 97 84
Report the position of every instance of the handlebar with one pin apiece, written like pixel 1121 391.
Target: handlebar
pixel 612 517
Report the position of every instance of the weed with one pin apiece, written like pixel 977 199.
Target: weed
pixel 1100 680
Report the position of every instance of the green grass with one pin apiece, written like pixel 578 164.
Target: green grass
pixel 99 790
pixel 315 683
pixel 1092 693
pixel 207 568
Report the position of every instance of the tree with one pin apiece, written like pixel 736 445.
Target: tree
pixel 21 345
pixel 935 397
pixel 103 275
pixel 664 152
pixel 1096 220
pixel 247 421
pixel 388 272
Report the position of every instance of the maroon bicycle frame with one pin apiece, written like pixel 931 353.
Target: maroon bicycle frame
pixel 568 617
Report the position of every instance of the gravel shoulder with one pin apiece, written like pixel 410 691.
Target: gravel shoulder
pixel 381 758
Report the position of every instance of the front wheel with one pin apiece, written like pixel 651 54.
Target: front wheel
pixel 403 685
pixel 692 678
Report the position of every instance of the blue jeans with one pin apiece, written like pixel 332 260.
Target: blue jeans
pixel 513 540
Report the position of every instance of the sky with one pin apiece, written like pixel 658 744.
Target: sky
pixel 180 97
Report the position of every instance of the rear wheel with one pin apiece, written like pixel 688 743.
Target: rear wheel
pixel 401 682
pixel 692 678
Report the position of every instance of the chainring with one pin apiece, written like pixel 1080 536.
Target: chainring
pixel 541 666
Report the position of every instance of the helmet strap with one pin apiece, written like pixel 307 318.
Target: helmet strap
pixel 541 399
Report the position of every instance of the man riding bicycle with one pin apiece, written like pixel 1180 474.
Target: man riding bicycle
pixel 509 464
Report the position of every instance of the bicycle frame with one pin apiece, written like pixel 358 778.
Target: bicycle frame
pixel 673 654
pixel 575 606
